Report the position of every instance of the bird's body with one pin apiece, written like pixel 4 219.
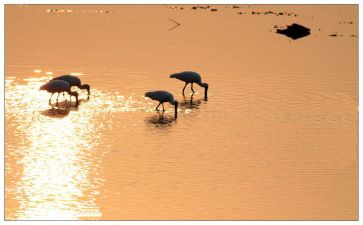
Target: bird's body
pixel 161 97
pixel 191 77
pixel 58 86
pixel 74 81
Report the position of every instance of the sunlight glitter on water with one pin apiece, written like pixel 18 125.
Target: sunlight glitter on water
pixel 56 161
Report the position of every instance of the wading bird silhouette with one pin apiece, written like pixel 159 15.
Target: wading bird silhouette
pixel 59 86
pixel 74 81
pixel 191 77
pixel 163 96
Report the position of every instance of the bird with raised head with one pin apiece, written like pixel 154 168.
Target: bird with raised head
pixel 74 81
pixel 59 86
pixel 191 77
pixel 163 96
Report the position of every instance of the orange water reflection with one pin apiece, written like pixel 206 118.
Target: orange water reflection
pixel 58 160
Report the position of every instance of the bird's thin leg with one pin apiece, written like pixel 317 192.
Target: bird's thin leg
pixel 185 87
pixel 50 99
pixel 57 98
pixel 158 106
pixel 163 106
pixel 192 87
pixel 64 97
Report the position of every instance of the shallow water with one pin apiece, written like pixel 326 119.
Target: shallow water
pixel 277 138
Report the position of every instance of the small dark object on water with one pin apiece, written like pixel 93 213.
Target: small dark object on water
pixel 194 7
pixel 281 13
pixel 213 10
pixel 295 31
pixel 333 35
pixel 235 7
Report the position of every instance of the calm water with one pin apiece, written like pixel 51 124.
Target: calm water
pixel 277 138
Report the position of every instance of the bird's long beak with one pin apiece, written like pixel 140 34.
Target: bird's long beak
pixel 206 94
pixel 176 111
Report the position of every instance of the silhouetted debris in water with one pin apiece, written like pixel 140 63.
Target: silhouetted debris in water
pixel 346 22
pixel 295 31
pixel 353 35
pixel 177 24
pixel 201 7
pixel 273 13
pixel 333 35
pixel 175 7
pixel 213 10
pixel 235 7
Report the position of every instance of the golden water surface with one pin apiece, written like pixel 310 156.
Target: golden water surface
pixel 277 138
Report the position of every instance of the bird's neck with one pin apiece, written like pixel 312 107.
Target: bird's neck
pixel 200 84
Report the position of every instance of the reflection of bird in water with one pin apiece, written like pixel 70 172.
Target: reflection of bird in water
pixel 161 120
pixel 74 81
pixel 56 113
pixel 59 86
pixel 163 96
pixel 190 104
pixel 191 77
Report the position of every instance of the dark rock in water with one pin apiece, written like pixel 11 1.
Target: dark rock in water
pixel 213 10
pixel 194 7
pixel 295 31
pixel 333 35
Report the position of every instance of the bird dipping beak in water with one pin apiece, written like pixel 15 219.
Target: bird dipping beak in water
pixel 59 86
pixel 191 77
pixel 161 97
pixel 176 108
